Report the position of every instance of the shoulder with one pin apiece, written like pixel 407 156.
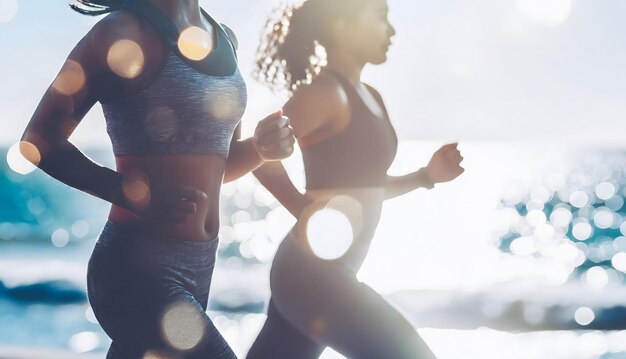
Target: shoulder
pixel 119 25
pixel 325 91
pixel 231 35
pixel 322 105
pixel 325 95
pixel 120 52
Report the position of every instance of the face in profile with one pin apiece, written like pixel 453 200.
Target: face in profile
pixel 368 34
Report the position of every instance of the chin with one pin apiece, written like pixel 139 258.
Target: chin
pixel 379 60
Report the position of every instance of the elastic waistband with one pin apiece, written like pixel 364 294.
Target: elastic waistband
pixel 116 235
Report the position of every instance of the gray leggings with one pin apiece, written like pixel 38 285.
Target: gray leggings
pixel 317 303
pixel 150 295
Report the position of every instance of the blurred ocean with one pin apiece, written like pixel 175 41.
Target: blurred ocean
pixel 523 257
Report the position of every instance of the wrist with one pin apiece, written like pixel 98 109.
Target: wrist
pixel 257 151
pixel 426 179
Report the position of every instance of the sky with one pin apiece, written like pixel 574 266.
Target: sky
pixel 470 70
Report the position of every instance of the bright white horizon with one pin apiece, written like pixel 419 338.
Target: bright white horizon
pixel 470 70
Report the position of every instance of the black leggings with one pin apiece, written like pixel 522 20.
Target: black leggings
pixel 317 303
pixel 150 296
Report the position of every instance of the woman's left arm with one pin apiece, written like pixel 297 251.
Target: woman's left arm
pixel 444 166
pixel 273 140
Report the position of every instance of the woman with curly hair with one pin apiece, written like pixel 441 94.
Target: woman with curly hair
pixel 317 52
pixel 167 77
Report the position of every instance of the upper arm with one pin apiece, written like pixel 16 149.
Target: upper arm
pixel 70 96
pixel 92 72
pixel 318 111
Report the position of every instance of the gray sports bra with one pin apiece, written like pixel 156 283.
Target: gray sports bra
pixel 189 108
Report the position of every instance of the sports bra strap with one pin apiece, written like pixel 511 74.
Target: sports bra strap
pixel 166 28
pixel 352 93
pixel 222 61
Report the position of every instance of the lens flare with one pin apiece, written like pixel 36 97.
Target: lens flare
pixel 194 43
pixel 596 278
pixel 162 124
pixel 524 246
pixel 183 326
pixel 584 316
pixel 605 190
pixel 84 342
pixel 318 325
pixel 23 157
pixel 603 218
pixel 579 199
pixel 352 208
pixel 126 59
pixel 561 217
pixel 60 238
pixel 136 189
pixel 225 103
pixel 155 354
pixel 71 79
pixel 330 226
pixel 80 228
pixel 582 231
pixel 329 234
pixel 619 262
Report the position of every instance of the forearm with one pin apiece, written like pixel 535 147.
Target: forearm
pixel 273 176
pixel 63 161
pixel 398 186
pixel 242 159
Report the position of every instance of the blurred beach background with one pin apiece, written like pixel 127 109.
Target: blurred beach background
pixel 523 257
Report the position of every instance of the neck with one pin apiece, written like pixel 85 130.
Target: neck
pixel 341 62
pixel 180 11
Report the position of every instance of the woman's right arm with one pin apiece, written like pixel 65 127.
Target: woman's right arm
pixel 313 110
pixel 274 177
pixel 83 80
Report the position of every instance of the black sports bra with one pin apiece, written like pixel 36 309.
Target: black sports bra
pixel 358 156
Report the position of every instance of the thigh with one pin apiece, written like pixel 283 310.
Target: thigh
pixel 279 339
pixel 181 330
pixel 144 311
pixel 352 318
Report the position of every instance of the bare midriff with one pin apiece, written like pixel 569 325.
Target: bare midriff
pixel 202 172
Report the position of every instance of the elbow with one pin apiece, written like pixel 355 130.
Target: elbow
pixel 36 147
pixel 32 147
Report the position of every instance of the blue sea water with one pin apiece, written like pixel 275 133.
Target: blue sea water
pixel 47 232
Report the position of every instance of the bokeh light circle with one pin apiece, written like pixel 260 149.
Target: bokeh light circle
pixel 605 190
pixel 183 326
pixel 70 79
pixel 194 43
pixel 619 262
pixel 126 59
pixel 18 154
pixel 584 316
pixel 329 234
pixel 582 231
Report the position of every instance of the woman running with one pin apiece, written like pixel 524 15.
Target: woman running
pixel 167 77
pixel 347 145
